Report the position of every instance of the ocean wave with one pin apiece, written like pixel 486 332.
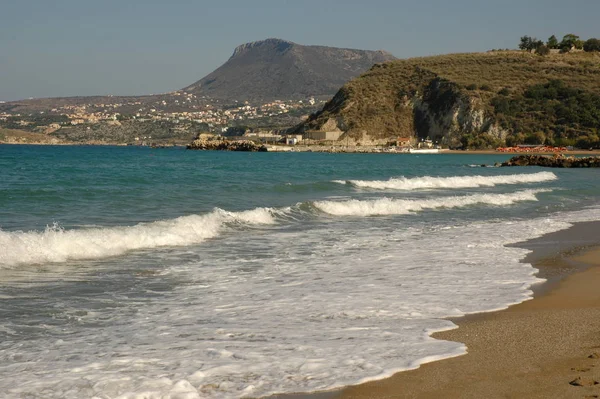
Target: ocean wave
pixel 430 182
pixel 56 244
pixel 389 206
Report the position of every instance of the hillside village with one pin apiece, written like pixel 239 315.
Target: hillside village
pixel 182 113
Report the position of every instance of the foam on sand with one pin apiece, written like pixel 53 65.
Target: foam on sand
pixel 55 244
pixel 452 182
pixel 389 206
pixel 324 310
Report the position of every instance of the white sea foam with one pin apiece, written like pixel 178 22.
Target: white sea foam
pixel 58 245
pixel 326 307
pixel 341 314
pixel 452 182
pixel 390 206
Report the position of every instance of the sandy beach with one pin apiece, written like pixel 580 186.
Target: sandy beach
pixel 548 347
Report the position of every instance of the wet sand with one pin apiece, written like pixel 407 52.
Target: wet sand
pixel 548 347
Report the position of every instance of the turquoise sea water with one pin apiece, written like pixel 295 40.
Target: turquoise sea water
pixel 135 272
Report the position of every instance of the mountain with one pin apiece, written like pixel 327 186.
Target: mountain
pixel 278 69
pixel 478 100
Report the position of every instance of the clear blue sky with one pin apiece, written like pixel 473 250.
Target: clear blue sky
pixel 51 48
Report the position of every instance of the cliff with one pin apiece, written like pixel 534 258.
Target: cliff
pixel 470 100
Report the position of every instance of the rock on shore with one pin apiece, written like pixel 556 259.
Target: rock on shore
pixel 226 145
pixel 558 161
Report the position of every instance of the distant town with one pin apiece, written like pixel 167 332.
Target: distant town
pixel 177 115
pixel 217 117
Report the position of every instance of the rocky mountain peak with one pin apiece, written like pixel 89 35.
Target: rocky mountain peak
pixel 273 69
pixel 279 44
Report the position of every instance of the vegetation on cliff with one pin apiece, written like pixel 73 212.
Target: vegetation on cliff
pixel 478 100
pixel 551 113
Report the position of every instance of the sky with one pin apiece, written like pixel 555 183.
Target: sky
pixel 56 48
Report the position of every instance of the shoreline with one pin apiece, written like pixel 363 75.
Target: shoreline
pixel 323 149
pixel 93 145
pixel 535 349
pixel 548 346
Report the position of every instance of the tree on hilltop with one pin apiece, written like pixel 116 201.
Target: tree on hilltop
pixel 530 43
pixel 552 42
pixel 592 44
pixel 569 42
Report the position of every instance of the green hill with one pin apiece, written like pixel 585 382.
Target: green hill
pixel 471 100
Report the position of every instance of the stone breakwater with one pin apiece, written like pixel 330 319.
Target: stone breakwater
pixel 226 145
pixel 557 161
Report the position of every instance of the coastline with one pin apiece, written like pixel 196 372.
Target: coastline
pixel 315 148
pixel 545 347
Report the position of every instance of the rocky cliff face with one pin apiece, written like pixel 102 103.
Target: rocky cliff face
pixel 444 113
pixel 433 108
pixel 279 69
pixel 451 99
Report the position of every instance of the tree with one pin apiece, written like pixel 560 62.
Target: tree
pixel 526 43
pixel 552 42
pixel 515 139
pixel 537 44
pixel 592 44
pixel 530 43
pixel 535 138
pixel 235 131
pixel 569 42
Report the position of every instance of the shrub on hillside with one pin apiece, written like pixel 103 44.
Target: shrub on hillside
pixel 480 141
pixel 535 138
pixel 542 50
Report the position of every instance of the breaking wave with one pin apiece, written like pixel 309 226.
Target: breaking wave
pixel 58 245
pixel 430 182
pixel 388 206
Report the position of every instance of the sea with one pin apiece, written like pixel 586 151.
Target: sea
pixel 132 272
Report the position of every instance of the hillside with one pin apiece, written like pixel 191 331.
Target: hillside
pixel 471 100
pixel 278 69
pixel 12 136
